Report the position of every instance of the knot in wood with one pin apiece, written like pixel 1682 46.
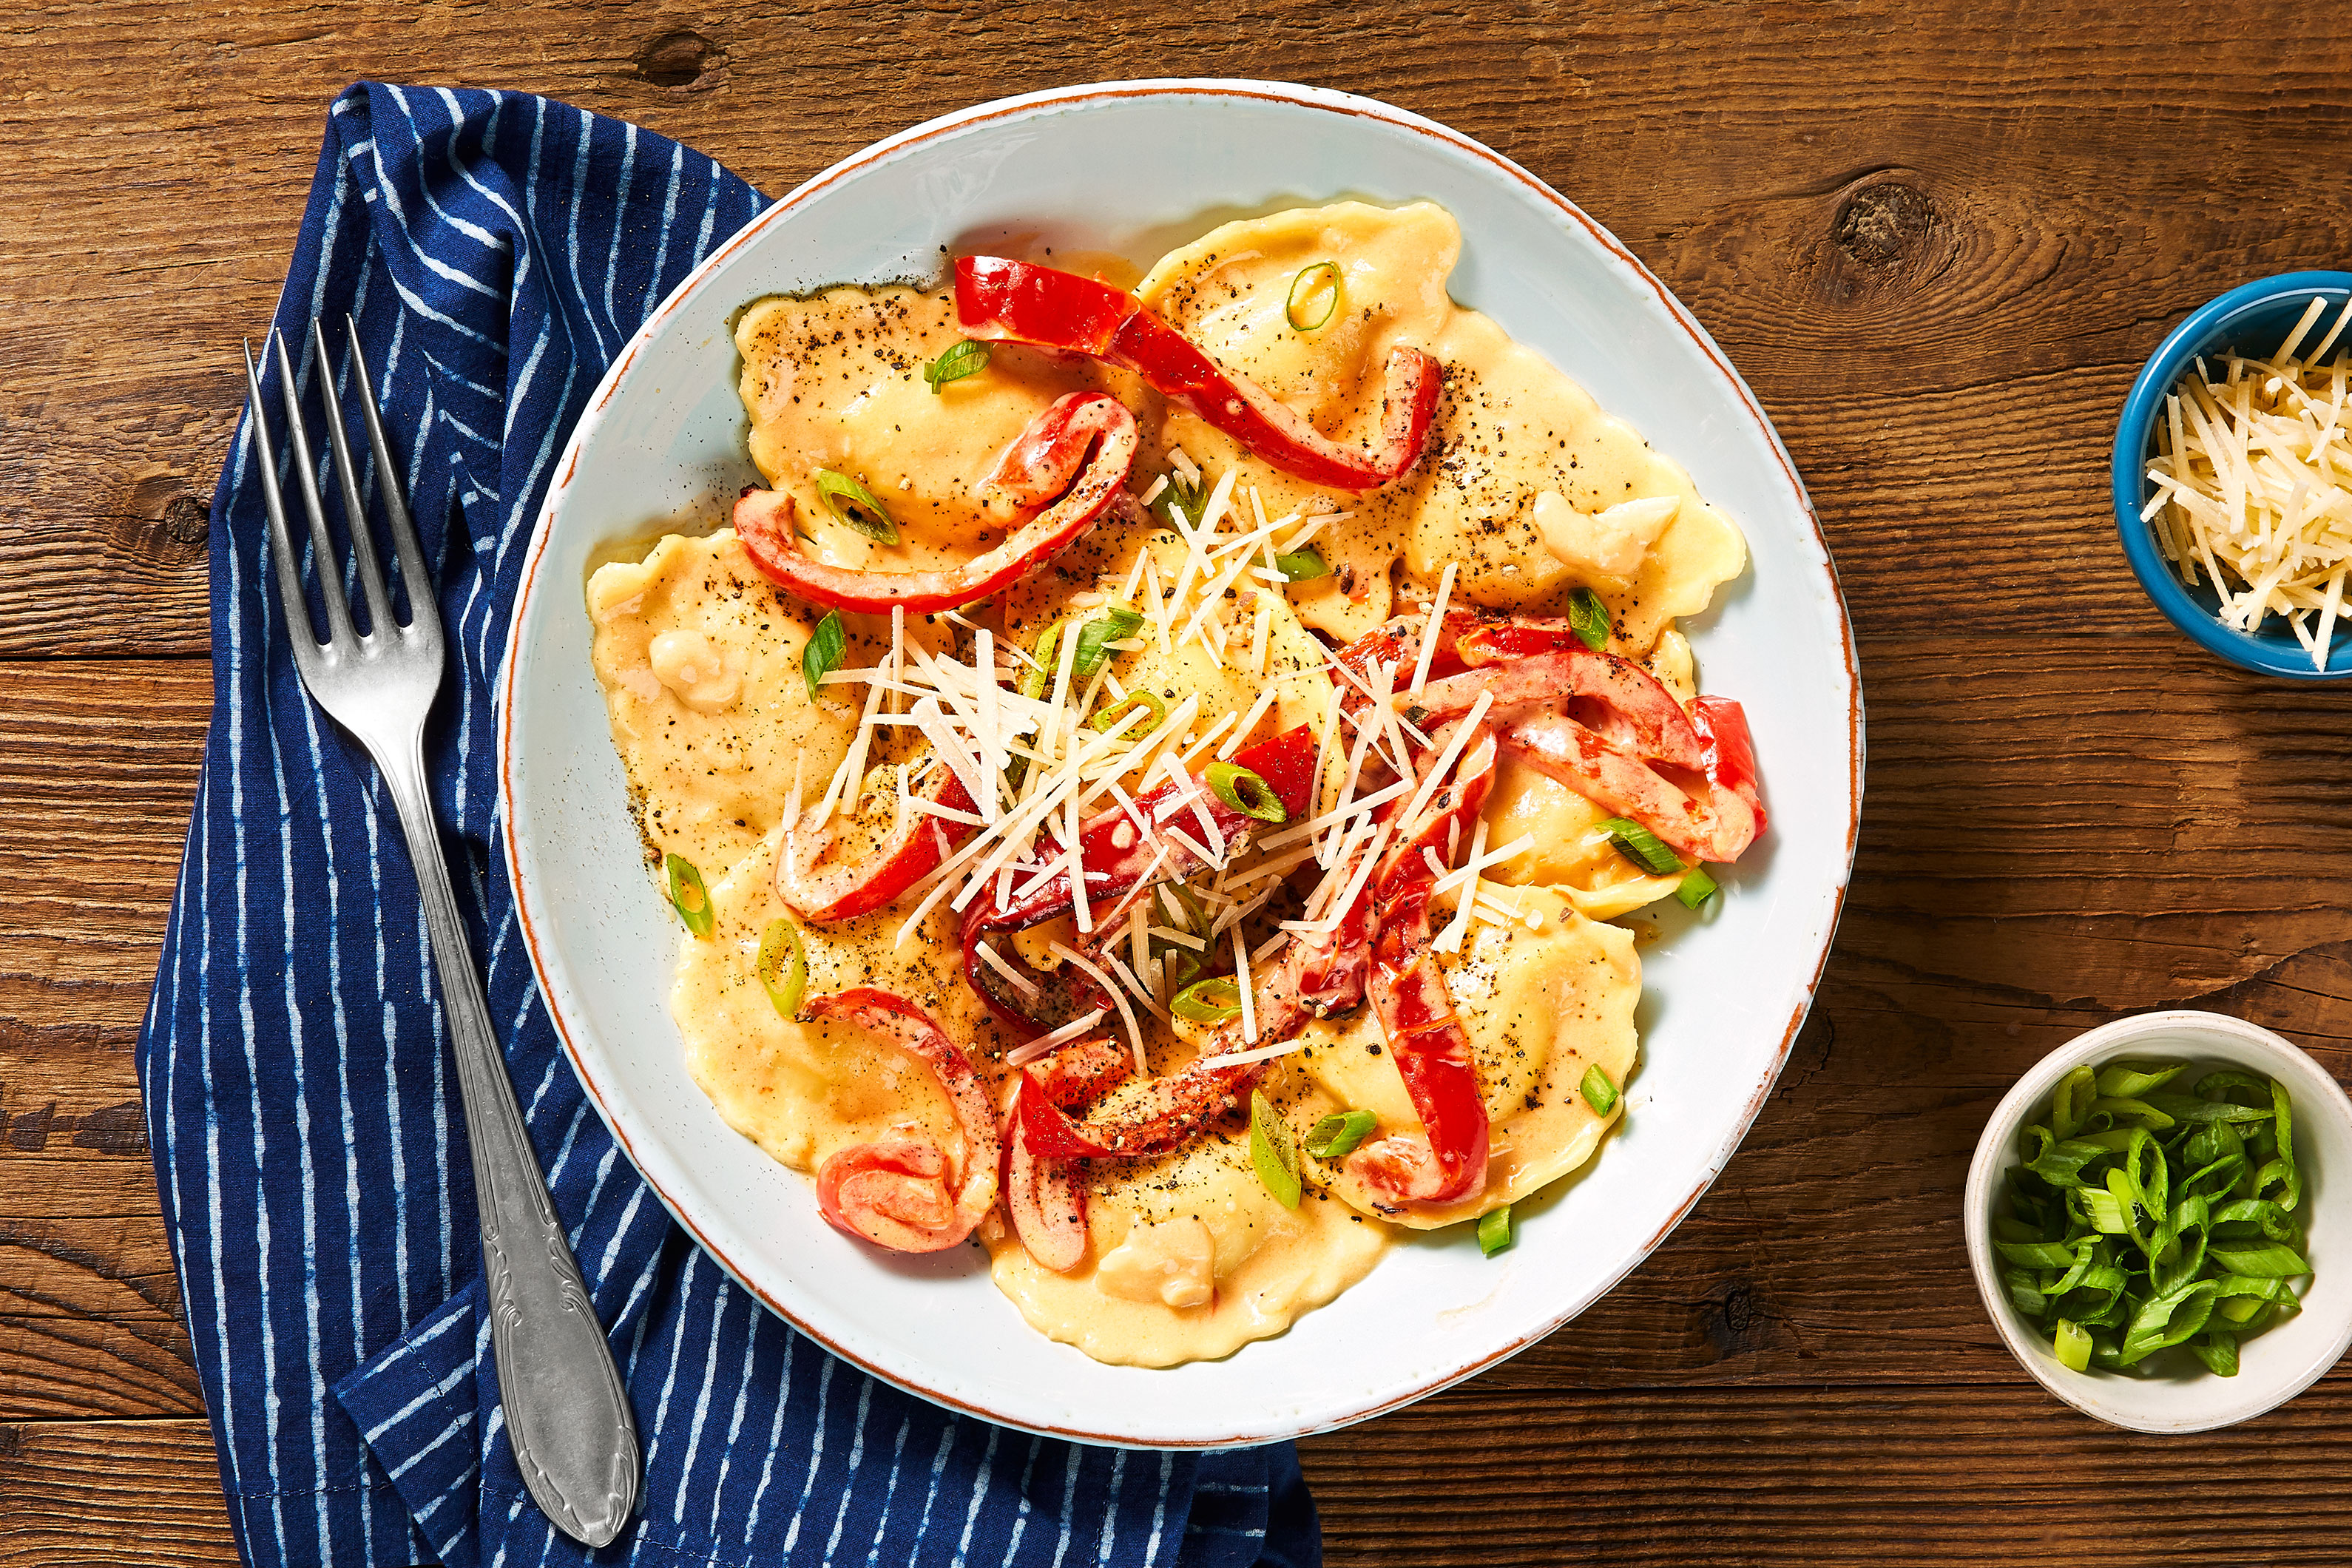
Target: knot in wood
pixel 682 59
pixel 1882 222
pixel 1738 1323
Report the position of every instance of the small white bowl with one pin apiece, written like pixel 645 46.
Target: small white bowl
pixel 2273 1366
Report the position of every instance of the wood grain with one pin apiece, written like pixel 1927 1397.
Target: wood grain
pixel 103 1493
pixel 1938 254
pixel 1827 1475
pixel 1938 240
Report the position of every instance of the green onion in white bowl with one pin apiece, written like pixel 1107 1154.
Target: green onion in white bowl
pixel 2120 1361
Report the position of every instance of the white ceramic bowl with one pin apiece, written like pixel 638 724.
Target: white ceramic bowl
pixel 1138 166
pixel 2273 1366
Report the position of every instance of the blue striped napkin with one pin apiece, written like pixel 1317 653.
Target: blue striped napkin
pixel 497 250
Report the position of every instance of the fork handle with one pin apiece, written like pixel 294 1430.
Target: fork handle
pixel 567 1414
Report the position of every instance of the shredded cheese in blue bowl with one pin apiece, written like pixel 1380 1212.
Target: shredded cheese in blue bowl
pixel 2233 495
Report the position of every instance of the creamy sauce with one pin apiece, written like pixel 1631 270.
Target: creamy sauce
pixel 1189 1256
pixel 1511 430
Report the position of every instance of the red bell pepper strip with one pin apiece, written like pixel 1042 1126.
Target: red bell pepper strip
pixel 897 1191
pixel 1398 642
pixel 823 894
pixel 1447 1162
pixel 1165 1117
pixel 1728 754
pixel 1083 1071
pixel 1170 1111
pixel 1048 1207
pixel 763 522
pixel 1333 974
pixel 1714 824
pixel 1652 720
pixel 1021 303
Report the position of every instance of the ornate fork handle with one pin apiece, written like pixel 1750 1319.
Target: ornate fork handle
pixel 567 1415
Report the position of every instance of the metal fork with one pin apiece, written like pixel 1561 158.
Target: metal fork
pixel 566 1412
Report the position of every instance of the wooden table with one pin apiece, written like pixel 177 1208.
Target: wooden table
pixel 1938 238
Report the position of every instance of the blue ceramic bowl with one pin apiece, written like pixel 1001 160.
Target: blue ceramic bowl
pixel 2254 318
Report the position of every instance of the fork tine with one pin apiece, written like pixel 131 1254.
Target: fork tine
pixel 370 565
pixel 424 612
pixel 298 629
pixel 322 548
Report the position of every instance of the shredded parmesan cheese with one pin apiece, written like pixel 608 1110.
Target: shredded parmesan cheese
pixel 2253 477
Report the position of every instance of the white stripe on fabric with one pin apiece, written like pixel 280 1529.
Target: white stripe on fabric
pixel 1110 1515
pixel 891 1496
pixel 668 217
pixel 1159 1508
pixel 571 240
pixel 735 1420
pixel 978 1494
pixel 1070 1465
pixel 464 225
pixel 856 1459
pixel 1022 1508
pixel 613 257
pixel 775 1435
pixel 702 1399
pixel 441 1390
pixel 816 1454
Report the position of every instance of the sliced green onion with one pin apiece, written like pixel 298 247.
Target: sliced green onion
pixel 854 504
pixel 2036 1254
pixel 1495 1230
pixel 1114 623
pixel 1302 565
pixel 2145 1220
pixel 1179 496
pixel 1210 1001
pixel 1337 1135
pixel 1271 1151
pixel 969 357
pixel 688 894
pixel 1109 717
pixel 1642 847
pixel 2274 1261
pixel 2218 1349
pixel 2282 1168
pixel 782 965
pixel 1319 281
pixel 2126 1080
pixel 1095 631
pixel 2070 1106
pixel 1245 791
pixel 2167 1321
pixel 1589 618
pixel 823 654
pixel 1696 888
pixel 1598 1091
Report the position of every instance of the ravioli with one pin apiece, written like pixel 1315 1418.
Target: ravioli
pixel 1188 1256
pixel 1512 427
pixel 1541 1005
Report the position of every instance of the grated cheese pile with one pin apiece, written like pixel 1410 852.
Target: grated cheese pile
pixel 2254 483
pixel 970 708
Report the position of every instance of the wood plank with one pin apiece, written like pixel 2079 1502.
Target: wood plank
pixel 103 1493
pixel 1939 257
pixel 1806 1477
